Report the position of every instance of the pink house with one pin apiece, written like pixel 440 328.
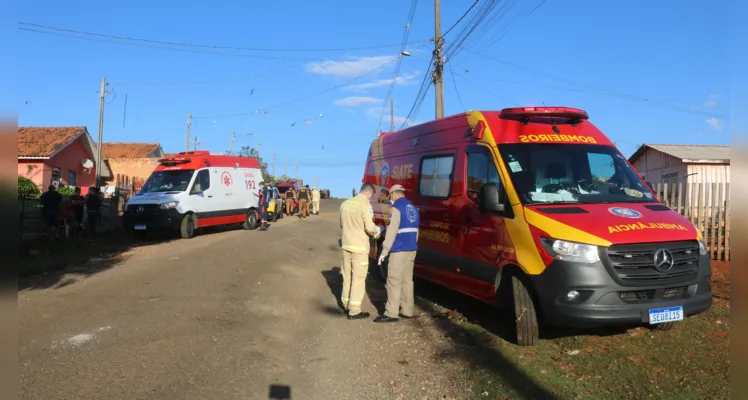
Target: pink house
pixel 59 155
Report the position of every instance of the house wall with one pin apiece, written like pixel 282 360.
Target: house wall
pixel 658 167
pixel 34 170
pixel 140 168
pixel 69 159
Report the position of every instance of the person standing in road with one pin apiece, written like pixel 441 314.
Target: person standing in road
pixel 357 224
pixel 304 197
pixel 290 199
pixel 93 209
pixel 400 244
pixel 51 201
pixel 315 200
pixel 264 203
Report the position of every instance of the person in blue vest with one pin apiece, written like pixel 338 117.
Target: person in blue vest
pixel 400 244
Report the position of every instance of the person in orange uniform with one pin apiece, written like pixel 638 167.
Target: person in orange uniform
pixel 304 197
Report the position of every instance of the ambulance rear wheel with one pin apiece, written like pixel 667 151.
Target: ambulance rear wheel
pixel 250 220
pixel 525 314
pixel 187 229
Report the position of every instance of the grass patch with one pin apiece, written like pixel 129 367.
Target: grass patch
pixel 691 361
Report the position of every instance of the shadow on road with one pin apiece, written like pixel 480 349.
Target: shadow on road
pixel 45 263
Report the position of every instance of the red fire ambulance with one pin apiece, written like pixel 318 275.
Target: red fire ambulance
pixel 534 208
pixel 194 190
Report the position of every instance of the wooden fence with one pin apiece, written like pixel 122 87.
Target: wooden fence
pixel 707 206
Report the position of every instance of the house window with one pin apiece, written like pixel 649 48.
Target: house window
pixel 56 176
pixel 436 176
pixel 72 178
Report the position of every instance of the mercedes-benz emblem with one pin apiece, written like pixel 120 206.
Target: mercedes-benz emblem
pixel 663 260
pixel 140 209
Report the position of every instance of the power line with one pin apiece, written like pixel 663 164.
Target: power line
pixel 454 82
pixel 510 26
pixel 600 90
pixel 404 43
pixel 422 91
pixel 460 19
pixel 264 110
pixel 165 48
pixel 212 46
pixel 245 78
pixel 487 90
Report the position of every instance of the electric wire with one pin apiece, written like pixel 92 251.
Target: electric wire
pixel 411 14
pixel 264 110
pixel 212 46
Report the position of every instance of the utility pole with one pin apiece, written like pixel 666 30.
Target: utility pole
pixel 101 132
pixel 195 148
pixel 187 140
pixel 438 77
pixel 231 148
pixel 392 114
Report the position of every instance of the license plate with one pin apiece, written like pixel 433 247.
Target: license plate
pixel 669 314
pixel 139 227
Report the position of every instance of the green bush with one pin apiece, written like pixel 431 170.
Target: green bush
pixel 66 190
pixel 28 189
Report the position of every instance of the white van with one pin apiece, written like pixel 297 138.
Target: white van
pixel 194 190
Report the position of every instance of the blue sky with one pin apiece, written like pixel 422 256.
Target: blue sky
pixel 654 72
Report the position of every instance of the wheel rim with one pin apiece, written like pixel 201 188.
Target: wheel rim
pixel 191 227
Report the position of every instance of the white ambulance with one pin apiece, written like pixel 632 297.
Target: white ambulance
pixel 195 189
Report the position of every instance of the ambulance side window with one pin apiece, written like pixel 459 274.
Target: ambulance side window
pixel 436 176
pixel 481 169
pixel 202 182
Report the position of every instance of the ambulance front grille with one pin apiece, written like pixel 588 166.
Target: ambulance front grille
pixel 635 263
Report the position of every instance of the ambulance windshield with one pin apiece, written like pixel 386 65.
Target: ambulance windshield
pixel 168 181
pixel 572 173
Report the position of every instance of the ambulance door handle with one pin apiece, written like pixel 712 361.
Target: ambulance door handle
pixel 210 195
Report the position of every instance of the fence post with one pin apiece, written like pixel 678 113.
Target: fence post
pixel 681 210
pixel 727 222
pixel 720 222
pixel 713 220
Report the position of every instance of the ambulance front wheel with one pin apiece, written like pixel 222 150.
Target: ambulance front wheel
pixel 525 314
pixel 187 228
pixel 250 220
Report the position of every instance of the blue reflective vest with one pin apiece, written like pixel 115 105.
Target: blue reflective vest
pixel 407 232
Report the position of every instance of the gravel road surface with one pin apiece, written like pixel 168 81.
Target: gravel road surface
pixel 225 316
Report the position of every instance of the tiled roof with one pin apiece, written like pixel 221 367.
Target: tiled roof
pixel 43 142
pixel 128 150
pixel 688 152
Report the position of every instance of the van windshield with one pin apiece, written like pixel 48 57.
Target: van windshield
pixel 572 173
pixel 168 181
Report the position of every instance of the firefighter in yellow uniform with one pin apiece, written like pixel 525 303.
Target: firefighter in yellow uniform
pixel 357 223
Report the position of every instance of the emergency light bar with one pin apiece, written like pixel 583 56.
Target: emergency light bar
pixel 526 113
pixel 174 160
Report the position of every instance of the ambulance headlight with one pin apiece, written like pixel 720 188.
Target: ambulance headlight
pixel 702 246
pixel 169 205
pixel 570 251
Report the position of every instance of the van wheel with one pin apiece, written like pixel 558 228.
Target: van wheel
pixel 187 228
pixel 250 220
pixel 275 217
pixel 665 326
pixel 526 318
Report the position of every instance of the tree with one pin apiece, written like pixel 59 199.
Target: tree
pixel 250 152
pixel 28 189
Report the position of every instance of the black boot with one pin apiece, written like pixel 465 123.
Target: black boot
pixel 384 318
pixel 363 315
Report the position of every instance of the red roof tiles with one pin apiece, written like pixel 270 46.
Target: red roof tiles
pixel 43 142
pixel 128 150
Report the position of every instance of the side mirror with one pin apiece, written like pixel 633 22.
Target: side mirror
pixel 490 198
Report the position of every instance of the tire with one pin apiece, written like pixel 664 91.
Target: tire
pixel 525 314
pixel 250 220
pixel 187 228
pixel 665 326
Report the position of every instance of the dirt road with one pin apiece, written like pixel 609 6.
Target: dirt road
pixel 224 316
